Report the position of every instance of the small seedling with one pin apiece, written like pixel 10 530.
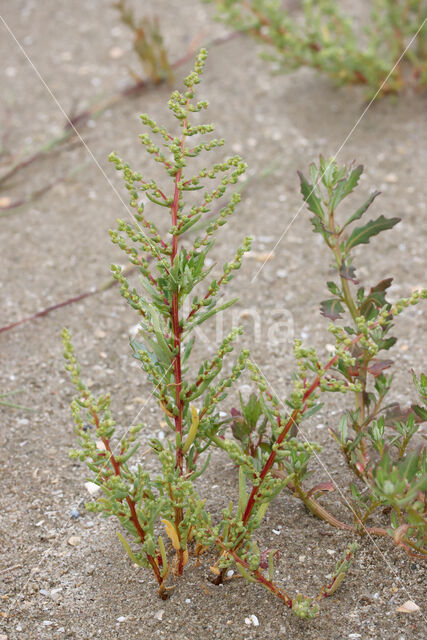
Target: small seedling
pixel 148 45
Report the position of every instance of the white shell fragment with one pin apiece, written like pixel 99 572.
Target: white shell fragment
pixel 408 607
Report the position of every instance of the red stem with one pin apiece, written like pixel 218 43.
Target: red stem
pixel 131 504
pixel 291 421
pixel 175 317
pixel 258 575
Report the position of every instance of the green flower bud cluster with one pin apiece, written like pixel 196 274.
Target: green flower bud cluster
pixel 403 303
pixel 304 607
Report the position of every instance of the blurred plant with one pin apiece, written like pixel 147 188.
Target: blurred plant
pixel 6 403
pixel 148 45
pixel 324 38
pixel 189 399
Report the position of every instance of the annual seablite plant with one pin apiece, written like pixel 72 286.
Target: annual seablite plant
pixel 165 520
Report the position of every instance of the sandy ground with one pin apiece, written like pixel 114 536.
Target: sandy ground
pixel 59 246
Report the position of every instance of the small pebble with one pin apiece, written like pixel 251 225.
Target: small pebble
pixel 74 513
pixel 391 178
pixel 159 615
pixel 252 620
pixel 47 623
pixel 230 573
pixel 73 541
pixel 116 52
pixel 121 618
pixel 187 600
pixel 92 488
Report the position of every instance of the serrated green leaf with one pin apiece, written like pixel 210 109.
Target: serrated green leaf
pixel 331 308
pixel 359 213
pixel 313 202
pixel 362 235
pixel 348 273
pixel 345 186
pixel 333 288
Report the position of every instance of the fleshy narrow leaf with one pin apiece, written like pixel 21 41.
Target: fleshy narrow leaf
pixel 362 235
pixel 204 316
pixel 420 412
pixel 331 308
pixel 172 534
pixel 193 429
pixel 128 550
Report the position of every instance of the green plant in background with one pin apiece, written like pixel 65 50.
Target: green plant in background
pixel 372 436
pixel 189 396
pixel 394 480
pixel 322 37
pixel 148 45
